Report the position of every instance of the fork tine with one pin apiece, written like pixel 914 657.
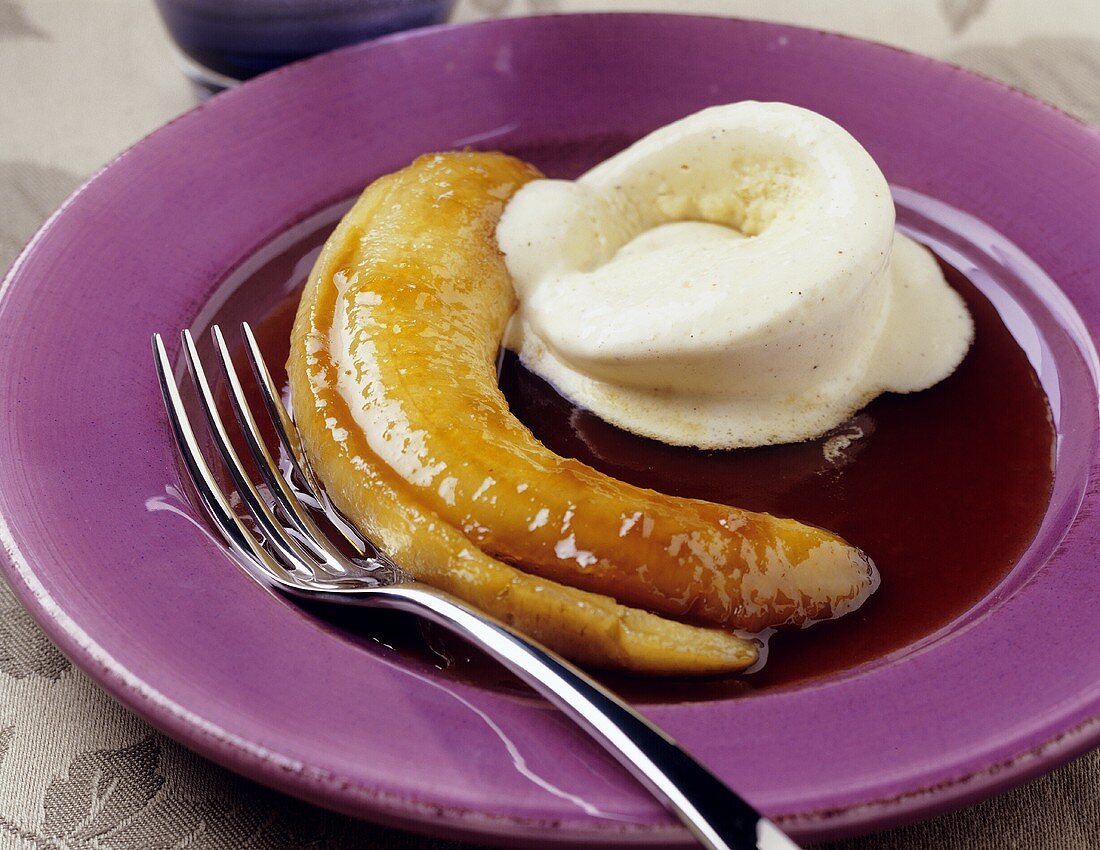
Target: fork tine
pixel 312 536
pixel 284 426
pixel 288 437
pixel 236 534
pixel 292 553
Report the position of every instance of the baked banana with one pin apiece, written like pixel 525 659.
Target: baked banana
pixel 587 627
pixel 401 323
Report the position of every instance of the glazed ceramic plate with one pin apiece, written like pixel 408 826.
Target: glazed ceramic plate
pixel 118 568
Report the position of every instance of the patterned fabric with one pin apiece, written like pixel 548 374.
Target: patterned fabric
pixel 82 80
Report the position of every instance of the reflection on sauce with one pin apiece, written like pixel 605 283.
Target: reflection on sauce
pixel 945 489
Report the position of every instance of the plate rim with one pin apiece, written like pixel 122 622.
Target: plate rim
pixel 226 749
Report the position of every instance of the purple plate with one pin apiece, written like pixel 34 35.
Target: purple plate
pixel 1004 186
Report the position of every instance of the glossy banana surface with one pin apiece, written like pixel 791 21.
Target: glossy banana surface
pixel 393 363
pixel 587 627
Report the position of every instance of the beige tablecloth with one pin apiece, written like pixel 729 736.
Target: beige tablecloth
pixel 82 79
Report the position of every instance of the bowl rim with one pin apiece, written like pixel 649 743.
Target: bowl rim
pixel 181 724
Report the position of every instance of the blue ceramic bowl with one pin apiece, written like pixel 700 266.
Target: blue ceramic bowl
pixel 222 42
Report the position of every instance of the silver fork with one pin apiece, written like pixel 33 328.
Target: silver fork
pixel 297 558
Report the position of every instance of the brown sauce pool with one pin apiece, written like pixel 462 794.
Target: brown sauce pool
pixel 944 489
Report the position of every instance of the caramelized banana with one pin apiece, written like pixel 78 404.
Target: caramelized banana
pixel 587 627
pixel 402 319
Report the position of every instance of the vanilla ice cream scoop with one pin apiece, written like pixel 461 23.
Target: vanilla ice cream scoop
pixel 732 279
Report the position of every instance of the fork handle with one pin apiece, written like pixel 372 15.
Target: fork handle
pixel 715 815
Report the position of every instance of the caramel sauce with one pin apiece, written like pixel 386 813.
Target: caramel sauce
pixel 944 489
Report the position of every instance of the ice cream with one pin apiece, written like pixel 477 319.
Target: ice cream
pixel 732 279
